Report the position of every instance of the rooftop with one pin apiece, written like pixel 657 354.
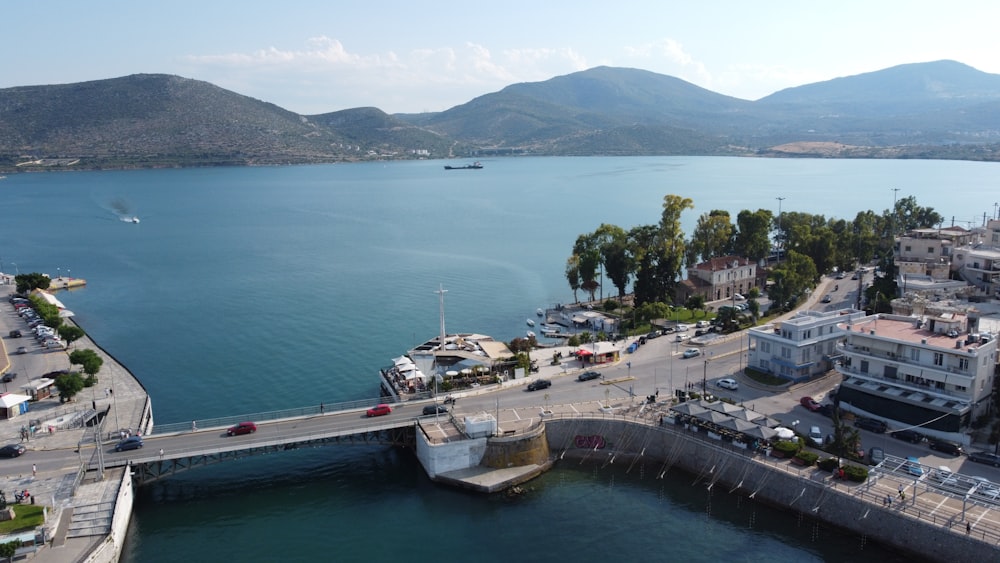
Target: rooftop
pixel 909 329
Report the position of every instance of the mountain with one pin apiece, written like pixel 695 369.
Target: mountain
pixel 941 109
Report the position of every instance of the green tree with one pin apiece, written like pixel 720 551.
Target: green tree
pixel 573 275
pixel 89 359
pixel 614 247
pixel 791 278
pixel 588 252
pixel 696 303
pixel 68 384
pixel 71 333
pixel 671 259
pixel 713 237
pixel 753 230
pixel 28 282
pixel 644 242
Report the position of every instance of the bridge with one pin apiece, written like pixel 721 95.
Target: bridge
pixel 177 447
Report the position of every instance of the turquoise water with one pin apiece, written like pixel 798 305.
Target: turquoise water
pixel 250 289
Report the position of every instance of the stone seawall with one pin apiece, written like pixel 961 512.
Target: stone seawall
pixel 528 448
pixel 848 507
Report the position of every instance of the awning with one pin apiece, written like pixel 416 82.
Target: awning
pixel 8 400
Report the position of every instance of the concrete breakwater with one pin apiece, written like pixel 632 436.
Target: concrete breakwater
pixel 850 507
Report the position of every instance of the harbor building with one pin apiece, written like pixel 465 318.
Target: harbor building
pixel 800 347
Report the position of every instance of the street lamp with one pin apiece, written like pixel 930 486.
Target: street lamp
pixel 780 199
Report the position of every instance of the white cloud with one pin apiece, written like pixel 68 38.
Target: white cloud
pixel 326 76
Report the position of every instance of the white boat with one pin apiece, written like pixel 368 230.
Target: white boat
pixel 540 312
pixel 531 322
pixel 129 219
pixel 531 334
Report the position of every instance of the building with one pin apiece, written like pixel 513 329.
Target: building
pixel 800 347
pixel 718 278
pixel 928 252
pixel 928 372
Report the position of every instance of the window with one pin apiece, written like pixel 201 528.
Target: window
pixel 765 365
pixel 915 354
pixel 963 364
pixel 938 359
pixel 864 366
pixel 889 372
pixel 930 250
pixel 786 352
pixel 908 248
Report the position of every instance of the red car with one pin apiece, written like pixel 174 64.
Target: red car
pixel 809 403
pixel 379 410
pixel 242 428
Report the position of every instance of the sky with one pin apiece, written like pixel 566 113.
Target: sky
pixel 314 57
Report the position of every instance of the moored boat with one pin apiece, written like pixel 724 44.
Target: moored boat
pixel 530 322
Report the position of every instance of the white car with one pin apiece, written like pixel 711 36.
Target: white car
pixel 681 337
pixel 702 324
pixel 692 352
pixel 739 297
pixel 728 383
pixel 815 436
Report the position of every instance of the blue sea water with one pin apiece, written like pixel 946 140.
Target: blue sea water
pixel 251 289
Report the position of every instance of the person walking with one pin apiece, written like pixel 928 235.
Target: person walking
pixel 900 489
pixel 34 470
pixel 888 499
pixel 968 528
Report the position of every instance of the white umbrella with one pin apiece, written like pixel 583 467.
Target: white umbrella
pixel 784 433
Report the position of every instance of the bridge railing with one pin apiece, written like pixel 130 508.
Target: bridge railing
pixel 226 421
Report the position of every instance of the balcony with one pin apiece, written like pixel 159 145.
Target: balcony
pixel 915 392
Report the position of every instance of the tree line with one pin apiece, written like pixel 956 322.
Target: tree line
pixel 650 258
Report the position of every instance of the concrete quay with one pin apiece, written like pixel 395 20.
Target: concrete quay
pixel 88 514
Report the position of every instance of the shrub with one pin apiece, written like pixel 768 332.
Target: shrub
pixel 828 464
pixel 856 473
pixel 787 447
pixel 808 458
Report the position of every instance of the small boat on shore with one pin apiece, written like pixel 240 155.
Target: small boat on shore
pixel 474 166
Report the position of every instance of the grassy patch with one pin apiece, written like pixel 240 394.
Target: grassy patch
pixel 765 378
pixel 26 517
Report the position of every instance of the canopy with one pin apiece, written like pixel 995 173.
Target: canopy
pixel 691 409
pixel 584 352
pixel 8 400
pixel 66 313
pixel 713 417
pixel 759 432
pixel 737 424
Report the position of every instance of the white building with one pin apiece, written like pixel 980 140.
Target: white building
pixel 926 371
pixel 800 347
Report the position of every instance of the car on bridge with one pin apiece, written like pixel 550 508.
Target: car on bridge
pixel 241 428
pixel 130 443
pixel 378 410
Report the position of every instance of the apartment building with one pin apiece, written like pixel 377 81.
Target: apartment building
pixel 800 347
pixel 926 371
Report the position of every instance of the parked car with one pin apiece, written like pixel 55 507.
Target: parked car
pixel 539 384
pixel 815 436
pixel 692 352
pixel 870 424
pixel 12 450
pixel 378 410
pixel 681 337
pixel 727 383
pixel 985 488
pixel 944 476
pixel 653 334
pixel 876 456
pixel 702 324
pixel 8 377
pixel 985 457
pixel 22 350
pixel 944 446
pixel 241 428
pixel 15 334
pixel 907 435
pixel 588 375
pixel 682 327
pixel 435 409
pixel 130 443
pixel 739 297
pixel 827 299
pixel 809 403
